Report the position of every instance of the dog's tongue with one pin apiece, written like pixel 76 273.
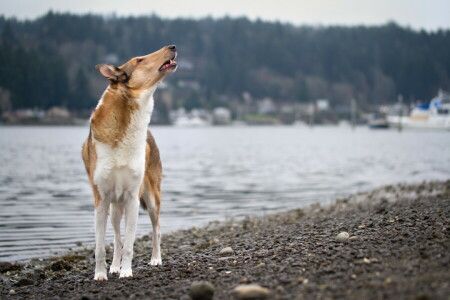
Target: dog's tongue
pixel 170 63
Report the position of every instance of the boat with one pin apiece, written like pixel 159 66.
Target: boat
pixel 378 121
pixel 378 124
pixel 432 115
pixel 194 121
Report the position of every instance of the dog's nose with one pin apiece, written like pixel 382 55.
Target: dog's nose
pixel 172 47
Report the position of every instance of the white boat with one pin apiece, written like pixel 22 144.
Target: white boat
pixel 433 115
pixel 194 121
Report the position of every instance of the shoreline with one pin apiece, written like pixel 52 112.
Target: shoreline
pixel 398 248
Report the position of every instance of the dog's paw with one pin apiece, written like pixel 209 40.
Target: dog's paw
pixel 126 274
pixel 100 276
pixel 114 269
pixel 155 262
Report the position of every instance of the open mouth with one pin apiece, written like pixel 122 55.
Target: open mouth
pixel 168 64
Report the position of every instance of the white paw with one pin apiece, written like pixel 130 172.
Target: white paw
pixel 126 273
pixel 155 262
pixel 114 269
pixel 100 276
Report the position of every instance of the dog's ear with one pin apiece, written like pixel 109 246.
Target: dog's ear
pixel 111 72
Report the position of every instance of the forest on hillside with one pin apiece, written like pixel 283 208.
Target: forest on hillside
pixel 50 61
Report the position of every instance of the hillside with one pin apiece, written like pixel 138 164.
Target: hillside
pixel 49 61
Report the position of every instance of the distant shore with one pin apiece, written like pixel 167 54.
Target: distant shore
pixel 397 248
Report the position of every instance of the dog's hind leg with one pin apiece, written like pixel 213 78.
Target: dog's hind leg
pixel 153 208
pixel 116 217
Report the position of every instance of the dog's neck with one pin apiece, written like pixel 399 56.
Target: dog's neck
pixel 119 114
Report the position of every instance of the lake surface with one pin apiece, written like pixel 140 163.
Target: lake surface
pixel 213 173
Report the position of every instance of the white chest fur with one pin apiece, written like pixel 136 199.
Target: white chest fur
pixel 120 170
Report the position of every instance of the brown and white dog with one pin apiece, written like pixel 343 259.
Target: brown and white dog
pixel 122 159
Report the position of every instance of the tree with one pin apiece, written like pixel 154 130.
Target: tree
pixel 81 94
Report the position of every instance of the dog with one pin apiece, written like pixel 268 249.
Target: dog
pixel 122 159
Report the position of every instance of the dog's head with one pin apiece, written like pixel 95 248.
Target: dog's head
pixel 142 72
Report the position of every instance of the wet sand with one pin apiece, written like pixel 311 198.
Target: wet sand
pixel 398 249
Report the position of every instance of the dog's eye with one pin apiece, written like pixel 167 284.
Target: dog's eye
pixel 139 60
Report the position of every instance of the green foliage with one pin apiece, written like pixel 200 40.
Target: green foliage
pixel 229 56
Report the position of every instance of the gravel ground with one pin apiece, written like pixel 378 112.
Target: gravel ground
pixel 397 248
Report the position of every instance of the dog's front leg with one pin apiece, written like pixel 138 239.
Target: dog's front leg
pixel 131 216
pixel 101 215
pixel 116 216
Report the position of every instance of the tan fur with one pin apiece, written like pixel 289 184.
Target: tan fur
pixel 109 122
pixel 90 159
pixel 152 180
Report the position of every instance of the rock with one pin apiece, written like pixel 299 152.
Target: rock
pixel 250 291
pixel 201 290
pixel 60 265
pixel 7 266
pixel 261 265
pixel 437 235
pixel 38 275
pixel 353 238
pixel 72 258
pixel 24 282
pixel 226 251
pixel 244 280
pixel 11 292
pixel 342 237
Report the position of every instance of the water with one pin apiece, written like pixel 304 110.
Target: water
pixel 46 204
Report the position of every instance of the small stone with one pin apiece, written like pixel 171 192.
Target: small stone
pixel 261 265
pixel 226 251
pixel 60 265
pixel 342 237
pixel 7 266
pixel 244 280
pixel 250 291
pixel 201 290
pixel 353 238
pixel 38 275
pixel 24 282
pixel 437 235
pixel 11 292
pixel 79 244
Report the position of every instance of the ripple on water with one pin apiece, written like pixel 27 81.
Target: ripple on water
pixel 46 204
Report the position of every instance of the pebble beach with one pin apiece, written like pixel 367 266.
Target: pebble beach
pixel 389 243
